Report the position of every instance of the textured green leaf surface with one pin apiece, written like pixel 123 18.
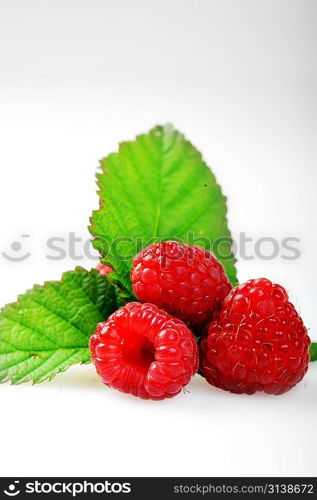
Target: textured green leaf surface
pixel 313 352
pixel 154 188
pixel 48 328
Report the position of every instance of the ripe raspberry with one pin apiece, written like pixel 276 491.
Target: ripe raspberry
pixel 103 269
pixel 186 281
pixel 144 351
pixel 258 342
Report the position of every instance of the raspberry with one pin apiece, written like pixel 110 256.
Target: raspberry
pixel 186 281
pixel 144 351
pixel 103 269
pixel 257 343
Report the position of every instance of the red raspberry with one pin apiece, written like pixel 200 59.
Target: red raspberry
pixel 103 269
pixel 258 342
pixel 186 281
pixel 144 351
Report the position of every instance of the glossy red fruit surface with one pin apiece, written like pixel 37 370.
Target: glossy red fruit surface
pixel 186 281
pixel 144 351
pixel 258 342
pixel 103 269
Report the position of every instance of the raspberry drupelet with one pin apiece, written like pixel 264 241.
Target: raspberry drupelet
pixel 103 269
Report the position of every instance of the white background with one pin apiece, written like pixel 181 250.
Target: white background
pixel 238 77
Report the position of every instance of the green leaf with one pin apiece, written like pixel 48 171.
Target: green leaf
pixel 313 351
pixel 157 188
pixel 48 328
